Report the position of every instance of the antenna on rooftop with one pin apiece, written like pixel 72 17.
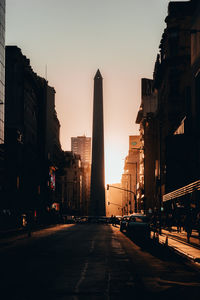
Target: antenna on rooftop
pixel 46 72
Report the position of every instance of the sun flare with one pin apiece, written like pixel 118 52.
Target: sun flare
pixel 113 166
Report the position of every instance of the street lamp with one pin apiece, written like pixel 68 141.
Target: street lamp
pixel 134 163
pixel 116 205
pixel 141 164
pixel 126 190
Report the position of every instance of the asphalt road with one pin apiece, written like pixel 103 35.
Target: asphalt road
pixel 91 261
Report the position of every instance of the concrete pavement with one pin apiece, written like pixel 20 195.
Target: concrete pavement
pixel 177 241
pixel 90 262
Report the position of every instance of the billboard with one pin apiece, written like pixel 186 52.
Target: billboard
pixel 52 178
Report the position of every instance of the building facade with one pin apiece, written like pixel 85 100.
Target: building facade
pixel 71 184
pixel 170 132
pixel 32 144
pixel 21 131
pixel 81 145
pixel 148 177
pixel 2 68
pixel 130 177
pixel 2 95
pixel 172 80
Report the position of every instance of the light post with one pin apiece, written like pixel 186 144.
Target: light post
pixel 116 205
pixel 135 193
pixel 141 163
pixel 126 190
pixel 129 201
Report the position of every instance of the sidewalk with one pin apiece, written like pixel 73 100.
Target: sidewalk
pixel 178 242
pixel 6 233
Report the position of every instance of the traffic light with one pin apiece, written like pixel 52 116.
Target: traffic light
pixel 107 187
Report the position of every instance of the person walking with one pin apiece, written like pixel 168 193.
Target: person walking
pixel 198 222
pixel 188 225
pixel 29 223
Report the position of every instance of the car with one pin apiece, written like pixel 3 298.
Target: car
pixel 123 223
pixel 118 220
pixel 138 227
pixel 103 220
pixel 81 220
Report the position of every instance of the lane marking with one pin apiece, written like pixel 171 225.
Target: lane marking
pixel 108 286
pixel 83 273
pixel 92 247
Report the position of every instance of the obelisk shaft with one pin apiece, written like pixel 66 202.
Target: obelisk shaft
pixel 97 198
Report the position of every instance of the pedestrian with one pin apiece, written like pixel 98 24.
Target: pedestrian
pixel 198 222
pixel 188 225
pixel 29 223
pixel 178 221
pixel 114 220
pixel 154 221
pixel 170 222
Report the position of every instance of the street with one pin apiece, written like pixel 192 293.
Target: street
pixel 91 261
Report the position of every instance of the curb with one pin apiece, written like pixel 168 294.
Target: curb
pixel 177 251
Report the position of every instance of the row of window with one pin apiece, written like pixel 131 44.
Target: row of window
pixel 2 112
pixel 2 16
pixel 1 132
pixel 2 35
pixel 2 54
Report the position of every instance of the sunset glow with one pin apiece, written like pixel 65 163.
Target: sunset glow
pixel 113 164
pixel 89 35
pixel 99 149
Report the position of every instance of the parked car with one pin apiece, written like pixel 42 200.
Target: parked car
pixel 67 219
pixel 138 227
pixel 103 220
pixel 81 220
pixel 124 223
pixel 118 220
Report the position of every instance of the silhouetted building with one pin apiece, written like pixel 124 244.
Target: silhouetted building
pixel 173 167
pixel 130 177
pixel 21 131
pixel 2 97
pixel 32 144
pixel 193 99
pixel 170 130
pixel 180 139
pixel 2 66
pixel 97 198
pixel 51 153
pixel 72 184
pixel 148 153
pixel 82 145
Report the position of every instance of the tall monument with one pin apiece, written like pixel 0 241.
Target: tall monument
pixel 97 197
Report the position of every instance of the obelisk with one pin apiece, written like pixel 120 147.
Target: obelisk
pixel 97 196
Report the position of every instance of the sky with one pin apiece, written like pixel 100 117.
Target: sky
pixel 68 40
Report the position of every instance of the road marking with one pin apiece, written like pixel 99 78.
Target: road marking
pixel 92 247
pixel 83 273
pixel 108 287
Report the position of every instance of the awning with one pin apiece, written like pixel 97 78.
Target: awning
pixel 187 189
